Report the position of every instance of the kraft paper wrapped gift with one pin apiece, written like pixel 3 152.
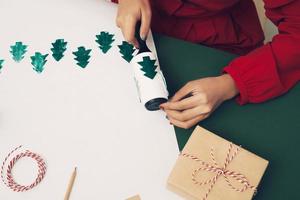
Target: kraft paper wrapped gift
pixel 212 168
pixel 137 197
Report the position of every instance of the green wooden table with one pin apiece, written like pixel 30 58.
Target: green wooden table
pixel 270 129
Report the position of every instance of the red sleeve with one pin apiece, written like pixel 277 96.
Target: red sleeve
pixel 273 69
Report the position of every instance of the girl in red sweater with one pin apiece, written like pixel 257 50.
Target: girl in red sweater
pixel 262 72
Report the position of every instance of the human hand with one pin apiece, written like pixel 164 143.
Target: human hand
pixel 129 13
pixel 205 95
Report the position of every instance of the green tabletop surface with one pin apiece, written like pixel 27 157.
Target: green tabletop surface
pixel 270 129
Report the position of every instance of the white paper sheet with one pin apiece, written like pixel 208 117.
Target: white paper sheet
pixel 90 118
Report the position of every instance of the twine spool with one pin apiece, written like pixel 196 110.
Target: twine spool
pixel 10 161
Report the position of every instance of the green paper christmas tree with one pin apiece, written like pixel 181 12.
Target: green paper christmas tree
pixel 38 61
pixel 149 67
pixel 126 50
pixel 18 51
pixel 105 40
pixel 82 56
pixel 1 64
pixel 59 47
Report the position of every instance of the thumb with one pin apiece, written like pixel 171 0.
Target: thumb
pixel 128 31
pixel 184 92
pixel 145 24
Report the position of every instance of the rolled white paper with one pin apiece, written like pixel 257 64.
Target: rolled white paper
pixel 149 79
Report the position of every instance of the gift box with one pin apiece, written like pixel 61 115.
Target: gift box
pixel 137 197
pixel 212 168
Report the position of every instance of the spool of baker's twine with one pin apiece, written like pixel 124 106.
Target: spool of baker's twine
pixel 10 161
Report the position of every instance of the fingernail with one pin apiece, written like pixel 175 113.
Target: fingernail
pixel 143 37
pixel 171 123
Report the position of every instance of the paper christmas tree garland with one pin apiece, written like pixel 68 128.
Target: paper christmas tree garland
pixel 105 40
pixel 18 51
pixel 59 47
pixel 38 61
pixel 149 67
pixel 126 50
pixel 1 64
pixel 82 56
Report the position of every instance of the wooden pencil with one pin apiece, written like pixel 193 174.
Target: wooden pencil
pixel 70 185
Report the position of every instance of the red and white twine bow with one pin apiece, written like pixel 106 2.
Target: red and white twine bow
pixel 6 171
pixel 220 171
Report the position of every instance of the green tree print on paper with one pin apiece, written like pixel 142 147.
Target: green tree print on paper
pixel 1 64
pixel 82 56
pixel 18 51
pixel 59 47
pixel 105 40
pixel 38 61
pixel 126 50
pixel 149 67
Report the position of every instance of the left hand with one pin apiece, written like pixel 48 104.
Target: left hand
pixel 205 96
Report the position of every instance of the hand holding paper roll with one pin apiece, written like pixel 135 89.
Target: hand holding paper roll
pixel 198 99
pixel 129 13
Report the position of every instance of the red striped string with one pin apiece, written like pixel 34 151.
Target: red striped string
pixel 219 171
pixel 8 164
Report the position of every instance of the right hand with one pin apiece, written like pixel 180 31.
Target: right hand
pixel 129 13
